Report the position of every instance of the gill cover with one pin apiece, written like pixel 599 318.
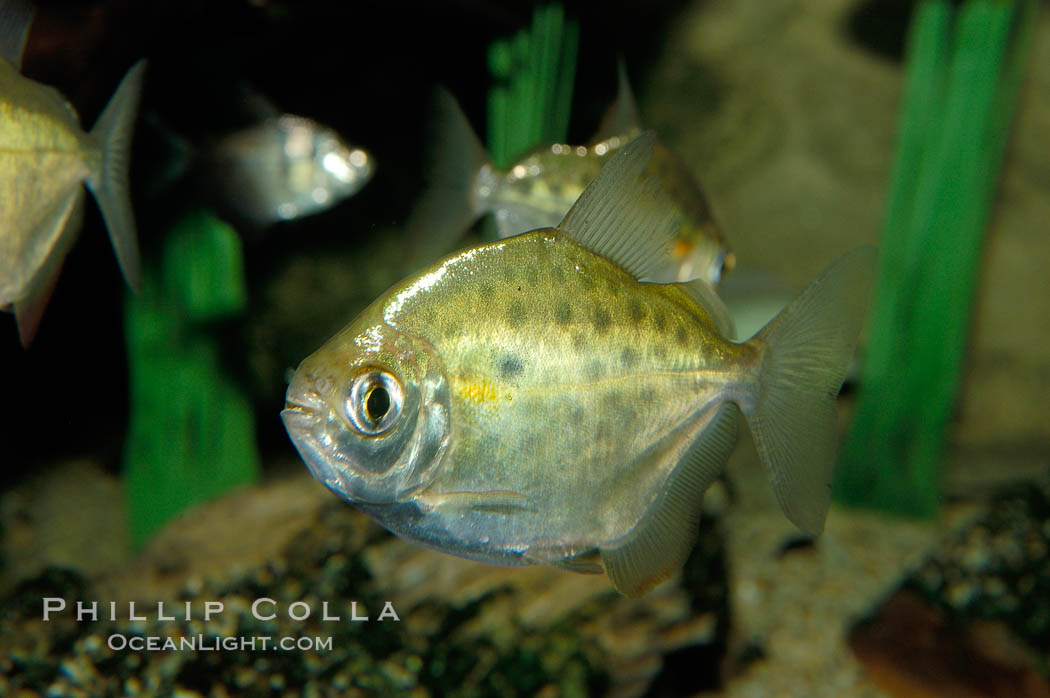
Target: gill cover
pixel 369 414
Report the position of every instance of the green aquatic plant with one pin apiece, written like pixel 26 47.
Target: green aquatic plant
pixel 191 435
pixel 964 68
pixel 533 73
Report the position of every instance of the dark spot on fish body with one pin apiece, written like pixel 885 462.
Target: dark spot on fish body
pixel 628 357
pixel 613 402
pixel 594 370
pixel 604 432
pixel 659 351
pixel 636 311
pixel 613 286
pixel 517 313
pixel 602 320
pixel 510 366
pixel 563 313
pixel 660 322
pixel 579 342
pixel 532 275
pixel 681 335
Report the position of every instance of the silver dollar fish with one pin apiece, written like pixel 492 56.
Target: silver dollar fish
pixel 540 188
pixel 45 159
pixel 536 400
pixel 286 167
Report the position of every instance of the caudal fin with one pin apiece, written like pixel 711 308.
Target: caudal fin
pixel 16 16
pixel 449 205
pixel 807 350
pixel 113 132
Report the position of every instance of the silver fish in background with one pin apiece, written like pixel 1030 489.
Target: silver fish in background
pixel 45 159
pixel 286 167
pixel 534 400
pixel 540 188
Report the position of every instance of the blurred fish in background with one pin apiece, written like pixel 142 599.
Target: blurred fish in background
pixel 280 168
pixel 540 188
pixel 45 156
pixel 288 167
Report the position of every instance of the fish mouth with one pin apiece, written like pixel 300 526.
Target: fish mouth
pixel 311 405
pixel 304 413
pixel 307 419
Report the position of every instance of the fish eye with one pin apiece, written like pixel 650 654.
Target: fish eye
pixel 374 401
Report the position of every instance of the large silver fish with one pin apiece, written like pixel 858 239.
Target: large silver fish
pixel 45 159
pixel 536 400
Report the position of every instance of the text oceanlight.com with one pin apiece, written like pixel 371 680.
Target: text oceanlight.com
pixel 202 643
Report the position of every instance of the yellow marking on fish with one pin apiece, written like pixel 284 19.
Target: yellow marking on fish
pixel 681 248
pixel 481 392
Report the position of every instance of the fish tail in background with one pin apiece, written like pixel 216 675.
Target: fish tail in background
pixel 16 16
pixel 113 132
pixel 178 159
pixel 449 205
pixel 806 352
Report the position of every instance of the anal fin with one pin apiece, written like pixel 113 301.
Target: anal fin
pixel 584 562
pixel 661 541
pixel 66 217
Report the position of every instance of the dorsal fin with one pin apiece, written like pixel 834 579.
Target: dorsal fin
pixel 15 18
pixel 622 115
pixel 626 214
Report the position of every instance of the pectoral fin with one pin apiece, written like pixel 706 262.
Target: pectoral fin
pixel 659 544
pixel 493 501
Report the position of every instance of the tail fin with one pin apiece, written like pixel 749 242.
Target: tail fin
pixel 16 16
pixel 449 204
pixel 807 351
pixel 113 132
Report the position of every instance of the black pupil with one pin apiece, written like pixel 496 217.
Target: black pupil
pixel 377 403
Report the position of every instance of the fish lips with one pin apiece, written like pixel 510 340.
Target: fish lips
pixel 305 418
